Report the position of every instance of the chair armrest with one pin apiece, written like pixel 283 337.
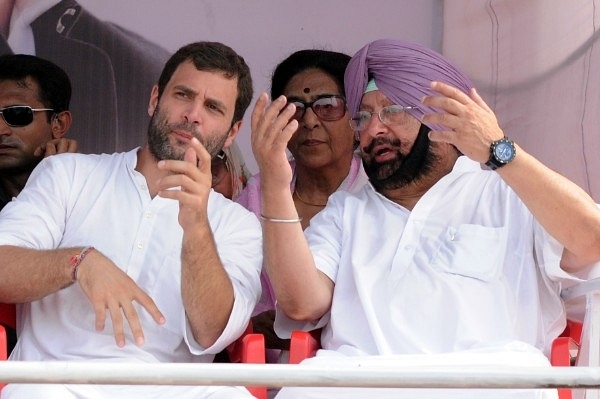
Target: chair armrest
pixel 303 345
pixel 3 343
pixel 249 348
pixel 3 348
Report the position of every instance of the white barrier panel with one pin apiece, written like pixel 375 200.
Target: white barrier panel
pixel 279 375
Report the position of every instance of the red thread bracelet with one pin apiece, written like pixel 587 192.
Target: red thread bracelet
pixel 76 260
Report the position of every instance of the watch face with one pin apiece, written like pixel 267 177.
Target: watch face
pixel 504 151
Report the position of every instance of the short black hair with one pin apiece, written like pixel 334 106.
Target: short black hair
pixel 213 57
pixel 53 81
pixel 332 63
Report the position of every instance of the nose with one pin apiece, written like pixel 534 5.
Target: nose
pixel 374 126
pixel 310 120
pixel 193 113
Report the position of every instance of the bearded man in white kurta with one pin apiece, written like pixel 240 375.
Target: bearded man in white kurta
pixel 452 254
pixel 132 257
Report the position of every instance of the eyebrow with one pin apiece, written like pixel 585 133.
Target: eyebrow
pixel 218 103
pixel 185 89
pixel 313 98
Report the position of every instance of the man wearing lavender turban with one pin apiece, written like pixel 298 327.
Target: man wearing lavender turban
pixel 455 252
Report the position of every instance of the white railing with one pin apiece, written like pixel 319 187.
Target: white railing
pixel 279 375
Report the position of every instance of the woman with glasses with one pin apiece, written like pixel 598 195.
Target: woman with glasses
pixel 322 150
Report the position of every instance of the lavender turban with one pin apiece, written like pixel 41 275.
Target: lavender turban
pixel 403 72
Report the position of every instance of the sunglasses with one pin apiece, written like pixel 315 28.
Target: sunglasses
pixel 20 115
pixel 329 108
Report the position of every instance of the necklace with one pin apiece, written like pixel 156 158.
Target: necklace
pixel 306 202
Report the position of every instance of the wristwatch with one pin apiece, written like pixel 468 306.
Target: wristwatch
pixel 502 152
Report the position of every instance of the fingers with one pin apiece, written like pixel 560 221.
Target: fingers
pixel 478 100
pixel 118 309
pixel 197 154
pixel 117 322
pixel 450 100
pixel 57 146
pixel 272 123
pixel 193 174
pixel 110 289
pixel 470 125
pixel 148 304
pixel 134 324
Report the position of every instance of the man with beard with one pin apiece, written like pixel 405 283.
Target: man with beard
pixel 132 256
pixel 453 254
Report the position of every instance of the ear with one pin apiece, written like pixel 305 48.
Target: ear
pixel 233 132
pixel 153 100
pixel 61 123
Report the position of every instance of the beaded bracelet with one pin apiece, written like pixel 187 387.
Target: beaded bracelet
pixel 76 260
pixel 275 220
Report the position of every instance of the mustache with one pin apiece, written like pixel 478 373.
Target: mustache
pixel 9 142
pixel 186 127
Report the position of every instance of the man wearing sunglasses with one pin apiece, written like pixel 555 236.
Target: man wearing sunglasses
pixel 35 117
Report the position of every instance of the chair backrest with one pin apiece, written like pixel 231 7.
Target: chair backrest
pixel 8 314
pixel 8 317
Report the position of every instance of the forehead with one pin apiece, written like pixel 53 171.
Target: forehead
pixel 374 99
pixel 213 84
pixel 310 83
pixel 14 92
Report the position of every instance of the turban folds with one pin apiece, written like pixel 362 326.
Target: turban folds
pixel 402 71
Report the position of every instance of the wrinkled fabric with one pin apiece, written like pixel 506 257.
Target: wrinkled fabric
pixel 403 72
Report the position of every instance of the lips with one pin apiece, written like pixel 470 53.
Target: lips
pixel 7 147
pixel 182 135
pixel 311 142
pixel 382 153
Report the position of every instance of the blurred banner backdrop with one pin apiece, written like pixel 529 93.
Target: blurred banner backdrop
pixel 114 50
pixel 535 62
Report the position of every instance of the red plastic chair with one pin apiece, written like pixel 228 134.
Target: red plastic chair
pixel 249 348
pixel 563 353
pixel 565 350
pixel 8 317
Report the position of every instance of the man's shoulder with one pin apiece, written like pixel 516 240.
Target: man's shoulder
pixel 76 163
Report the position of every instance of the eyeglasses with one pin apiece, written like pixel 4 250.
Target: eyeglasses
pixel 20 115
pixel 329 108
pixel 390 115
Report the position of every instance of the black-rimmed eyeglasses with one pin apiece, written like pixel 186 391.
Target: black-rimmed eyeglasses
pixel 328 108
pixel 20 115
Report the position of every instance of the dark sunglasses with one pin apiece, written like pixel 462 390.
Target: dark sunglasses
pixel 20 115
pixel 329 108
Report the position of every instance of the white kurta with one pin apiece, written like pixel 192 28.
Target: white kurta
pixel 468 269
pixel 77 200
